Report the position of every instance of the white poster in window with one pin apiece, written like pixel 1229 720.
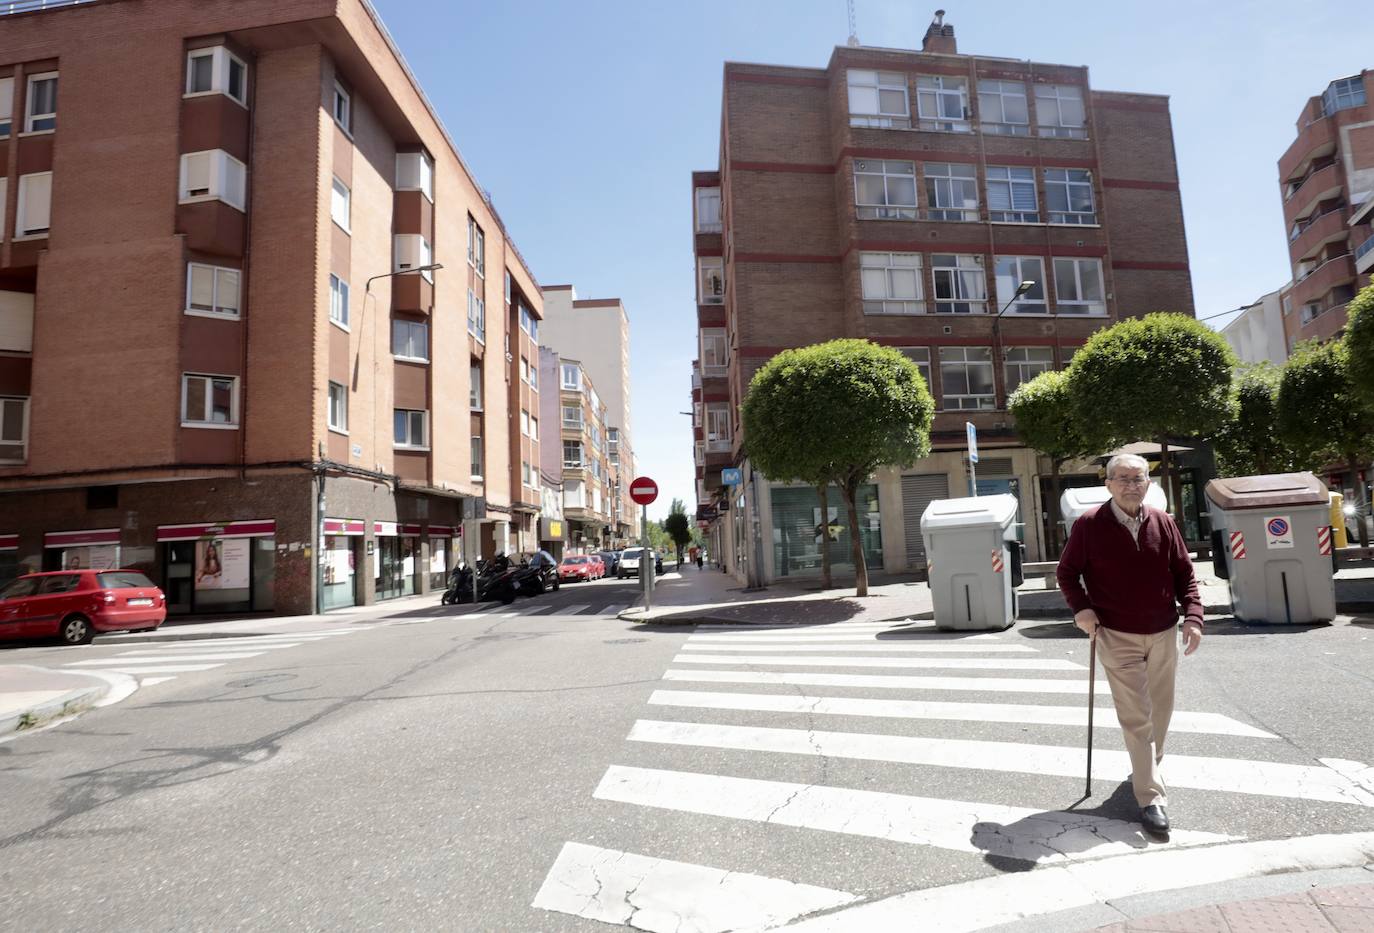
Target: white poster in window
pixel 223 563
pixel 91 557
pixel 438 556
pixel 338 564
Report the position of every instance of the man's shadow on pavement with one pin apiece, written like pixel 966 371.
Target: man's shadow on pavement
pixel 1060 834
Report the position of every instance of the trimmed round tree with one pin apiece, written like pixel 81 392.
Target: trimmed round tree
pixel 833 413
pixel 1151 378
pixel 677 526
pixel 1047 420
pixel 1321 416
pixel 1252 441
pixel 1359 343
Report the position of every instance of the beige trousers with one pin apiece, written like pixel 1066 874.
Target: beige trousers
pixel 1140 670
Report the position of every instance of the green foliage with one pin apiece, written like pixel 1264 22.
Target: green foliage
pixel 676 525
pixel 1319 412
pixel 1359 343
pixel 1047 419
pixel 835 412
pixel 1158 376
pixel 1252 442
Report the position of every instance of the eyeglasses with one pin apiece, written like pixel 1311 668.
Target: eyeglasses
pixel 1136 482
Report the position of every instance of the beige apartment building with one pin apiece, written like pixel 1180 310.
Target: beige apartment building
pixel 589 479
pixel 255 266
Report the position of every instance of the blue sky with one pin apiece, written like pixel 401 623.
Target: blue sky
pixel 585 121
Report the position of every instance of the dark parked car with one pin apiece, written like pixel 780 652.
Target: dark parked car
pixel 612 561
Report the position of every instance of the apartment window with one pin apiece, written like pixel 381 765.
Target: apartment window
pixel 1002 108
pixel 525 422
pixel 212 290
pixel 410 341
pixel 33 212
pixel 1310 312
pixel 476 454
pixel 4 195
pixel 415 172
pixel 526 476
pixel 878 98
pixel 891 283
pixel 477 247
pixel 534 428
pixel 572 377
pixel 217 71
pixel 338 301
pixel 960 285
pixel 715 352
pixel 572 454
pixel 574 494
pixel 717 427
pixel 1287 305
pixel 1078 286
pixel 41 114
pixel 477 316
pixel 942 104
pixel 1011 271
pixel 951 191
pixel 534 376
pixel 572 417
pixel 507 287
pixel 213 175
pixel 343 108
pixel 528 323
pixel 966 378
pixel 1069 196
pixel 524 370
pixel 1342 95
pixel 338 408
pixel 708 210
pixel 209 401
pixel 697 410
pixel 14 429
pixel 475 386
pixel 885 189
pixel 6 107
pixel 921 357
pixel 1011 195
pixel 1023 364
pixel 340 204
pixel 413 252
pixel 410 428
pixel 700 448
pixel 1059 110
pixel 711 280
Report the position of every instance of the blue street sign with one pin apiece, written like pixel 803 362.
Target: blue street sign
pixel 972 441
pixel 732 476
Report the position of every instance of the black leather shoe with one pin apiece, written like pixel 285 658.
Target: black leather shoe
pixel 1155 820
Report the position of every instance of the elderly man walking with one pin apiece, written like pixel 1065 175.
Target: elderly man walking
pixel 1125 573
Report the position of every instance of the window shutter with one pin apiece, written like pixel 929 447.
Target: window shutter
pixel 1000 197
pixel 227 291
pixel 202 288
pixel 1023 196
pixel 35 198
pixel 195 174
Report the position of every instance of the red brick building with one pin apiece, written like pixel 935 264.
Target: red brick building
pixel 901 196
pixel 221 303
pixel 1327 180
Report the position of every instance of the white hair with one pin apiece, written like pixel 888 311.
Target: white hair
pixel 1130 461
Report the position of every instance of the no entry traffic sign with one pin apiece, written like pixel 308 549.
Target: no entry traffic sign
pixel 643 490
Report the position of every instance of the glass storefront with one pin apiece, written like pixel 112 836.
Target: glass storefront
pixel 439 566
pixel 798 529
pixel 397 567
pixel 217 575
pixel 339 570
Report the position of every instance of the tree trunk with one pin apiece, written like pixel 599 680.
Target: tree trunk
pixel 1165 478
pixel 850 490
pixel 1361 507
pixel 822 493
pixel 1055 492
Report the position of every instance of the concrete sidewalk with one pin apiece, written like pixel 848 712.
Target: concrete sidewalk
pixel 711 596
pixel 33 697
pixel 1320 909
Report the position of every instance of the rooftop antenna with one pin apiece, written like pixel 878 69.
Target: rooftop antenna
pixel 853 28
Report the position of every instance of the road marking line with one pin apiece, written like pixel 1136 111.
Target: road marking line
pixel 831 628
pixel 889 681
pixel 573 610
pixel 151 681
pixel 984 664
pixel 1229 775
pixel 1076 716
pixel 157 668
pixel 800 638
pixel 663 895
pixel 692 645
pixel 989 902
pixel 542 610
pixel 991 829
pixel 216 644
pixel 134 657
pixel 612 610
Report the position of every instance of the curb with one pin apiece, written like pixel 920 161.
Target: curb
pixel 72 703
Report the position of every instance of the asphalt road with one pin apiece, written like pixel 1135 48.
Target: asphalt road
pixel 431 770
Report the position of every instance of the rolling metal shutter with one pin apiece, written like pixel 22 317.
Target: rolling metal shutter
pixel 918 491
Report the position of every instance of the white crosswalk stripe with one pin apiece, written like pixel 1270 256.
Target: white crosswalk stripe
pixel 612 610
pixel 573 610
pixel 877 673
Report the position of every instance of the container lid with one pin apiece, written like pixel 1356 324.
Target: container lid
pixel 979 512
pixel 1074 502
pixel 1263 492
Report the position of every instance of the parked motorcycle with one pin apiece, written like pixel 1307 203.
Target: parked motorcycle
pixel 496 579
pixel 537 574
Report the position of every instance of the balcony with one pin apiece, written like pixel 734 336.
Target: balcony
pixel 1322 184
pixel 1322 279
pixel 1316 139
pixel 1316 233
pixel 1364 255
pixel 717 445
pixel 33 6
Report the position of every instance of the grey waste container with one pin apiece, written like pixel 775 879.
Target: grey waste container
pixel 974 561
pixel 1074 502
pixel 1273 534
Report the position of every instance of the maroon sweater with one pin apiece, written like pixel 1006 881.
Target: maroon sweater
pixel 1133 587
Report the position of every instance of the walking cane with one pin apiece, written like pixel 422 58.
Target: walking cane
pixel 1092 697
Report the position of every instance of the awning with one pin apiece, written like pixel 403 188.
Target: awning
pixel 259 528
pixel 442 531
pixel 1143 449
pixel 344 526
pixel 9 542
pixel 80 538
pixel 393 530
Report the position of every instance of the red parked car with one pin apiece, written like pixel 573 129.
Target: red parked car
pixel 75 604
pixel 575 567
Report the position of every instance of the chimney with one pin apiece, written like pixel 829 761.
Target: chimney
pixel 940 36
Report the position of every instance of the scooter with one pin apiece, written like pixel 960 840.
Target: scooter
pixel 496 579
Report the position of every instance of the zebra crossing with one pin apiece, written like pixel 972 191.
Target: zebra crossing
pixel 935 708
pixel 155 663
pixel 497 611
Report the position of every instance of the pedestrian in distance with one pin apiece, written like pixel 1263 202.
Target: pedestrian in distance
pixel 1126 573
